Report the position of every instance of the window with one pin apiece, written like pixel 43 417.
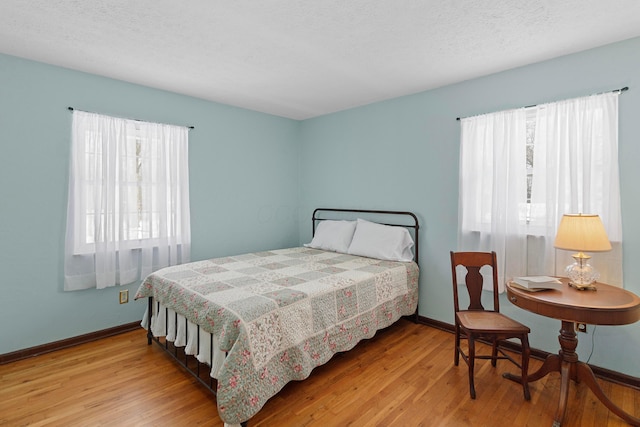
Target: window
pixel 128 207
pixel 521 170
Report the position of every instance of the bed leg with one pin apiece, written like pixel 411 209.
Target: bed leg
pixel 149 314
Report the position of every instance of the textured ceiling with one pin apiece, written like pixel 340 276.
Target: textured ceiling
pixel 305 58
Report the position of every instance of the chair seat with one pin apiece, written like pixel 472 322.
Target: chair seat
pixel 490 322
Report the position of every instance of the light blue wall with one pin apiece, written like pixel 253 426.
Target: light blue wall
pixel 256 178
pixel 403 154
pixel 243 176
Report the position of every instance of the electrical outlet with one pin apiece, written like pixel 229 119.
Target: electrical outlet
pixel 124 296
pixel 582 327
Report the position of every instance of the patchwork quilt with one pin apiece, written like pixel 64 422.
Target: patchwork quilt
pixel 278 314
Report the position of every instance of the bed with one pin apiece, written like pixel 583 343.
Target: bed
pixel 246 325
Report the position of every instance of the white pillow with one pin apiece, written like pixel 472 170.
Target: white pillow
pixel 333 236
pixel 382 242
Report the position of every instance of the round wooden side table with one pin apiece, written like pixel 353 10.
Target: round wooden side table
pixel 608 305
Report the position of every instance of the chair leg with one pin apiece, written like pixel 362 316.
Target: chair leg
pixel 526 352
pixel 472 359
pixel 456 357
pixel 494 352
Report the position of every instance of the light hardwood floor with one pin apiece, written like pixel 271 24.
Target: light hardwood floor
pixel 402 377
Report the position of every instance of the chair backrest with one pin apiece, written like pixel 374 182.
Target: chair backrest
pixel 474 280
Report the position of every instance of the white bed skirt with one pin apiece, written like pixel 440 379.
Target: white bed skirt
pixel 184 333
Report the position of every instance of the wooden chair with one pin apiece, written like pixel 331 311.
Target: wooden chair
pixel 477 323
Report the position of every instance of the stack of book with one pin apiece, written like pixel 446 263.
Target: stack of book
pixel 536 283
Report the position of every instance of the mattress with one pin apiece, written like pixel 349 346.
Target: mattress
pixel 279 314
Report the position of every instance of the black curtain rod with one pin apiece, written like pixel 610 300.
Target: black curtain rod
pixel 624 89
pixel 137 120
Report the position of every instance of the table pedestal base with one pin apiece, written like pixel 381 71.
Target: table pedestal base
pixel 566 362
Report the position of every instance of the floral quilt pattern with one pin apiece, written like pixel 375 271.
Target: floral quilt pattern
pixel 278 314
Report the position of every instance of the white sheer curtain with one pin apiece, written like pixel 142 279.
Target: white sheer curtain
pixel 575 170
pixel 128 203
pixel 493 189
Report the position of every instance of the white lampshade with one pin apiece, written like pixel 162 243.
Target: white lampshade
pixel 582 232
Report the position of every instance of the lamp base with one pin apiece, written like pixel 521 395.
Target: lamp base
pixel 581 274
pixel 587 287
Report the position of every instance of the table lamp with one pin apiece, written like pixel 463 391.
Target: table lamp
pixel 582 232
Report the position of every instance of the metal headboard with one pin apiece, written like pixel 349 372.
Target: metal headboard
pixel 316 217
